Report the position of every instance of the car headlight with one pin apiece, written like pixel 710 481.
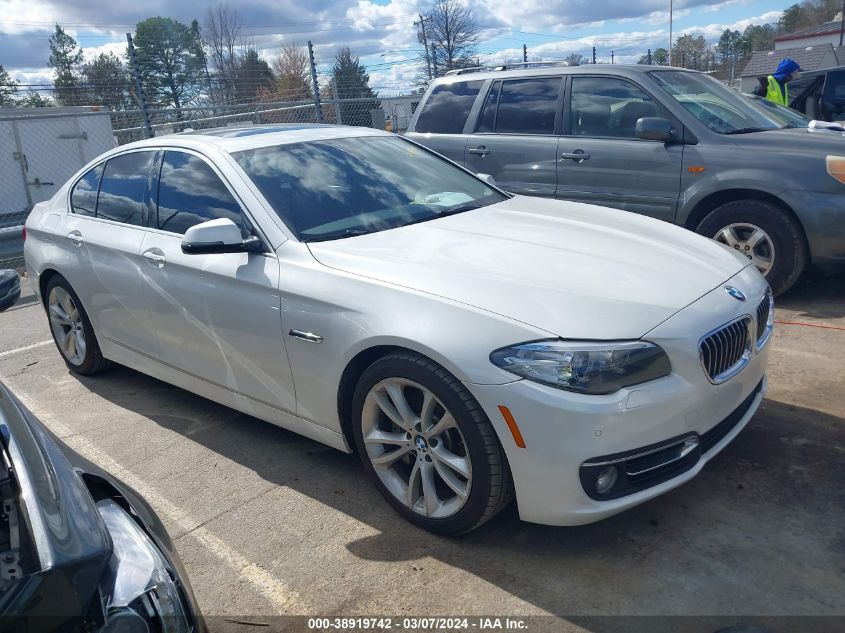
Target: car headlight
pixel 593 368
pixel 139 592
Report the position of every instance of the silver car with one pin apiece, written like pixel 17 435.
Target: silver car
pixel 669 143
pixel 359 289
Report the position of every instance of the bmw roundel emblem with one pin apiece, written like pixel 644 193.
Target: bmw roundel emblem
pixel 736 293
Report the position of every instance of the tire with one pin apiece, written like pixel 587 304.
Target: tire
pixel 488 488
pixel 786 239
pixel 86 359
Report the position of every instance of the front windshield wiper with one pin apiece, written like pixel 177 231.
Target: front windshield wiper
pixel 472 206
pixel 336 235
pixel 747 130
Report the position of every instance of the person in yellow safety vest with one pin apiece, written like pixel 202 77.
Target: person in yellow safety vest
pixel 776 90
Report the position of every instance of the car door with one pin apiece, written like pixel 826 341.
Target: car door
pixel 516 139
pixel 218 316
pixel 601 160
pixel 102 237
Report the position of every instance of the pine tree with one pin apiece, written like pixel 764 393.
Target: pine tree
pixel 168 62
pixel 8 89
pixel 66 62
pixel 107 81
pixel 352 82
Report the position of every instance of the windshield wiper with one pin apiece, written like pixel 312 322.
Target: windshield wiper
pixel 450 211
pixel 746 130
pixel 339 235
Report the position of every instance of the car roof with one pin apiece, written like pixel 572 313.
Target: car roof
pixel 245 137
pixel 545 71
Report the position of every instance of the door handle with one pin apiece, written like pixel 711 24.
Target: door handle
pixel 75 238
pixel 155 258
pixel 306 336
pixel 481 150
pixel 577 155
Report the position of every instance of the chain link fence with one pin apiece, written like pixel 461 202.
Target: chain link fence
pixel 48 126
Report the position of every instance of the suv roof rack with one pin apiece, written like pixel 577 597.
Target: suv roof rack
pixel 481 69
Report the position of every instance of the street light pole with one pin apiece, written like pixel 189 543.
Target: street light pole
pixel 842 25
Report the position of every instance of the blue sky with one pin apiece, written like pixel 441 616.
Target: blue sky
pixel 381 31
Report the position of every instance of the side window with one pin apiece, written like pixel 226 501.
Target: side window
pixel 189 192
pixel 487 120
pixel 528 106
pixel 83 198
pixel 123 188
pixel 606 106
pixel 447 108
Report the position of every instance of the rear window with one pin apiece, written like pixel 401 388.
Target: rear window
pixel 83 200
pixel 124 187
pixel 447 108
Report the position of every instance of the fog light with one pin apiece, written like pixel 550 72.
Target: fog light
pixel 606 480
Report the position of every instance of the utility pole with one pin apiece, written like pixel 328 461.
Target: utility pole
pixel 525 50
pixel 139 88
pixel 433 60
pixel 421 24
pixel 612 58
pixel 317 107
pixel 670 32
pixel 594 54
pixel 842 25
pixel 648 57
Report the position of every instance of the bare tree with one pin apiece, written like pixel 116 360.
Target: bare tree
pixel 223 41
pixel 292 73
pixel 453 31
pixel 574 59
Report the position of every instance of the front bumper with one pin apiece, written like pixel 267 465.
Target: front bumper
pixel 562 430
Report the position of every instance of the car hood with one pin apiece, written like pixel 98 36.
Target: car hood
pixel 574 270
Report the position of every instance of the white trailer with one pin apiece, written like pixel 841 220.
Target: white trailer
pixel 40 148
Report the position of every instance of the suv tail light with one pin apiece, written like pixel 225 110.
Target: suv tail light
pixel 23 234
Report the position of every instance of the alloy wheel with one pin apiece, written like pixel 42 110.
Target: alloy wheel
pixel 416 447
pixel 66 323
pixel 751 241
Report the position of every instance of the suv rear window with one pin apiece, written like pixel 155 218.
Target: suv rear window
pixel 447 108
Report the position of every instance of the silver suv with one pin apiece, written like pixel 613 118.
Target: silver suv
pixel 665 142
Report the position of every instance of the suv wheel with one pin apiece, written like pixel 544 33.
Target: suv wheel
pixel 71 329
pixel 766 234
pixel 428 446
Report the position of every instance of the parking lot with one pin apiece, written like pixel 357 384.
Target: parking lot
pixel 269 523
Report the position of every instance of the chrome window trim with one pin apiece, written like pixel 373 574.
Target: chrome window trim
pixel 770 323
pixel 742 363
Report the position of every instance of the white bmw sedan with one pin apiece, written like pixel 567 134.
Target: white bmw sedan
pixel 354 287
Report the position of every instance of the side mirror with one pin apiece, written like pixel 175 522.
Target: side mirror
pixel 652 128
pixel 218 236
pixel 487 178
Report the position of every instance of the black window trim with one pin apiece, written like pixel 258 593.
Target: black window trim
pixel 156 177
pixel 485 90
pixel 145 207
pixel 567 122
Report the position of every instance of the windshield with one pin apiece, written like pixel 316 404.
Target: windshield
pixel 350 186
pixel 714 104
pixel 787 116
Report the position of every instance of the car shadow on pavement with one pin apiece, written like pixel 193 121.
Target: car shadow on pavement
pixel 816 295
pixel 761 530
